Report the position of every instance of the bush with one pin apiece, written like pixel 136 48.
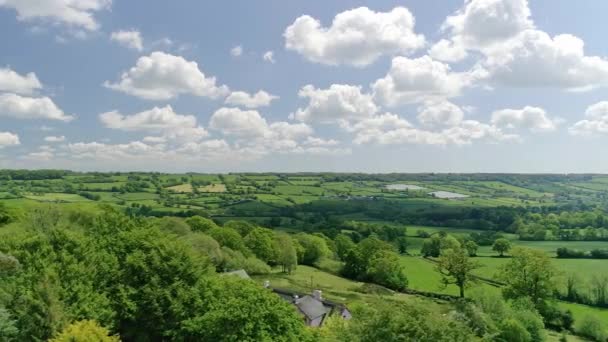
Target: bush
pixel 592 328
pixel 85 331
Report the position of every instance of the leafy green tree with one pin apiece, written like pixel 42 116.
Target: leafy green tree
pixel 242 227
pixel 200 224
pixel 513 331
pixel 8 326
pixel 385 268
pixel 344 244
pixel 529 273
pixel 456 268
pixel 240 310
pixel 174 225
pixel 85 331
pixel 230 238
pixel 287 256
pixel 260 242
pixel 207 246
pixel 593 328
pixel 501 246
pixel 8 264
pixel 471 248
pixel 314 248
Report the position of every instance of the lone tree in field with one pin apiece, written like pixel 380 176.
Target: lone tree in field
pixel 501 246
pixel 456 267
pixel 529 274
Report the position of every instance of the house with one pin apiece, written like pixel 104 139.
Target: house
pixel 313 308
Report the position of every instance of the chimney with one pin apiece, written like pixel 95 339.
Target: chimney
pixel 266 284
pixel 318 295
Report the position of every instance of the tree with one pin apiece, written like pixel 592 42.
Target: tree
pixel 200 224
pixel 593 328
pixel 314 248
pixel 174 225
pixel 8 326
pixel 455 268
pixel 287 256
pixel 260 242
pixel 529 273
pixel 230 238
pixel 206 246
pixel 242 227
pixel 343 245
pixel 513 331
pixel 85 331
pixel 385 268
pixel 471 248
pixel 501 246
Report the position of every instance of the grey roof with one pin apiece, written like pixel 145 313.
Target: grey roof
pixel 311 307
pixel 239 273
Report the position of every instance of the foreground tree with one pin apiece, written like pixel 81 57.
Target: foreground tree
pixel 501 246
pixel 85 331
pixel 529 274
pixel 456 268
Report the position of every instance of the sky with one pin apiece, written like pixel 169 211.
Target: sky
pixel 286 86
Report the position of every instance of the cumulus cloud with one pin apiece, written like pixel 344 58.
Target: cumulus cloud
pixel 389 129
pixel 356 37
pixel 130 39
pixel 240 123
pixel 441 112
pixel 532 118
pixel 417 80
pixel 158 119
pixel 481 24
pixel 162 76
pixel 11 81
pixel 596 122
pixel 338 104
pixel 21 107
pixel 73 13
pixel 259 99
pixel 8 139
pixel 534 59
pixel 236 51
pixel 268 56
pixel 54 139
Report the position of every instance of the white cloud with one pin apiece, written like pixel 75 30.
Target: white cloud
pixel 74 13
pixel 596 122
pixel 162 76
pixel 39 156
pixel 131 39
pixel 534 59
pixel 482 24
pixel 54 138
pixel 236 51
pixel 8 139
pixel 269 57
pixel 417 80
pixel 128 151
pixel 320 142
pixel 13 82
pixel 440 113
pixel 158 119
pixel 532 118
pixel 285 130
pixel 356 37
pixel 21 107
pixel 338 104
pixel 259 99
pixel 240 123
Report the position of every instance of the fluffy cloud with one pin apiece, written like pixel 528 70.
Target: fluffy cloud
pixel 74 13
pixel 131 150
pixel 259 99
pixel 54 138
pixel 21 107
pixel 440 113
pixel 236 51
pixel 356 37
pixel 532 118
pixel 162 76
pixel 8 139
pixel 417 80
pixel 240 123
pixel 389 129
pixel 268 56
pixel 13 82
pixel 338 104
pixel 596 122
pixel 131 39
pixel 534 59
pixel 158 119
pixel 482 24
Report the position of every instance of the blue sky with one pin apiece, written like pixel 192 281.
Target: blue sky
pixel 382 86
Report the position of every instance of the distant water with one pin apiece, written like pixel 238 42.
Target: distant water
pixel 447 194
pixel 403 187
